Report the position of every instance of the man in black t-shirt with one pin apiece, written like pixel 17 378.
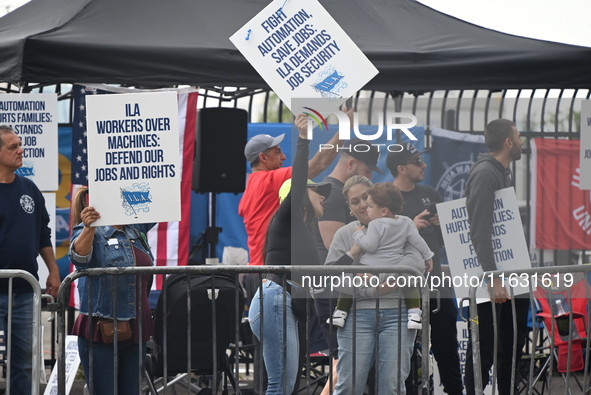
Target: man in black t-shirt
pixel 24 234
pixel 408 170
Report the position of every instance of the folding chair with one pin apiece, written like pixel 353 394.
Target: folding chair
pixel 564 310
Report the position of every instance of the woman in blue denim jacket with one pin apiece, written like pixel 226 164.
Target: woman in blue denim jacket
pixel 104 247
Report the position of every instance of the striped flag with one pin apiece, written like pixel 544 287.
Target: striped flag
pixel 169 240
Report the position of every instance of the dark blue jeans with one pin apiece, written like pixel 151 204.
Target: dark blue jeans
pixel 21 357
pixel 103 378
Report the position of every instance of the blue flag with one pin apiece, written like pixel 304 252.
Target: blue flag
pixel 454 153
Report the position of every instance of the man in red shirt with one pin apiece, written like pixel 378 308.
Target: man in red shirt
pixel 260 199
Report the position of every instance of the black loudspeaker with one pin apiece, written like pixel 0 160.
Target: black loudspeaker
pixel 220 165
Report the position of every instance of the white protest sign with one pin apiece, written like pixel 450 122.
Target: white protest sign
pixel 301 52
pixel 72 363
pixel 508 240
pixel 50 206
pixel 33 116
pixel 585 164
pixel 134 174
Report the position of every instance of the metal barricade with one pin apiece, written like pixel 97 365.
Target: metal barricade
pixel 36 344
pixel 212 271
pixel 559 298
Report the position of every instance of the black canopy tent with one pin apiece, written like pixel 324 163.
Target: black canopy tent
pixel 165 43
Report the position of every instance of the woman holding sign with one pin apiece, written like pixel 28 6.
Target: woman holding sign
pixel 290 241
pixel 109 302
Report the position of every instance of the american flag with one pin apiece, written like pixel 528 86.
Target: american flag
pixel 169 240
pixel 79 145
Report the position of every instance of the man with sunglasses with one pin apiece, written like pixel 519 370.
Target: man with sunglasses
pixel 408 170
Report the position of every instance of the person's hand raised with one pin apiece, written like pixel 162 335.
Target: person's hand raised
pixel 301 122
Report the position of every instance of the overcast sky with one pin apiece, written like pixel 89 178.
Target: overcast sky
pixel 567 21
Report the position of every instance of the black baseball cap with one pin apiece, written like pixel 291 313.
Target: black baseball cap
pixel 407 154
pixel 363 151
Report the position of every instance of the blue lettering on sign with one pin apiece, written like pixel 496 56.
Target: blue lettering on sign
pixel 136 197
pixel 25 171
pixel 329 82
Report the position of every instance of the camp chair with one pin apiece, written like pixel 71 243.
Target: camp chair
pixel 564 310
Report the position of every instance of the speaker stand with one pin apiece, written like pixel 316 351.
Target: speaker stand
pixel 208 241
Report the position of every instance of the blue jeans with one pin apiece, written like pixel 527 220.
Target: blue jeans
pixel 21 357
pixel 365 347
pixel 281 365
pixel 103 379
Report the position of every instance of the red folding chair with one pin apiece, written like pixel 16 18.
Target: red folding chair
pixel 560 303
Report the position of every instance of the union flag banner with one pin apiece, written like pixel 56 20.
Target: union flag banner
pixel 562 211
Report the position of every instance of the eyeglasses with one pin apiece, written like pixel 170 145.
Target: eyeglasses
pixel 417 162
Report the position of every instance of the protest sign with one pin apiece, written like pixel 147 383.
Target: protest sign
pixel 33 117
pixel 585 165
pixel 72 362
pixel 133 157
pixel 302 52
pixel 508 240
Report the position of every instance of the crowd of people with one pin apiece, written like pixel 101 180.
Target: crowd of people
pixel 385 224
pixel 290 221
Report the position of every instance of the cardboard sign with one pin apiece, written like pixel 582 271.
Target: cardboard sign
pixel 301 52
pixel 508 239
pixel 72 363
pixel 133 157
pixel 33 117
pixel 585 165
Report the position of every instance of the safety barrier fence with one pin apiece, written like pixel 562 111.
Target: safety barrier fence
pixel 559 339
pixel 541 364
pixel 8 332
pixel 212 274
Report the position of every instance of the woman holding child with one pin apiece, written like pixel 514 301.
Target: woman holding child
pixel 372 327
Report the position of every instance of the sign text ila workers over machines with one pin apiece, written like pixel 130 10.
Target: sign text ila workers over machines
pixel 133 162
pixel 301 52
pixel 508 241
pixel 33 117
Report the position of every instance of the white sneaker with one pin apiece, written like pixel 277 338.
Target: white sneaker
pixel 338 318
pixel 415 320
